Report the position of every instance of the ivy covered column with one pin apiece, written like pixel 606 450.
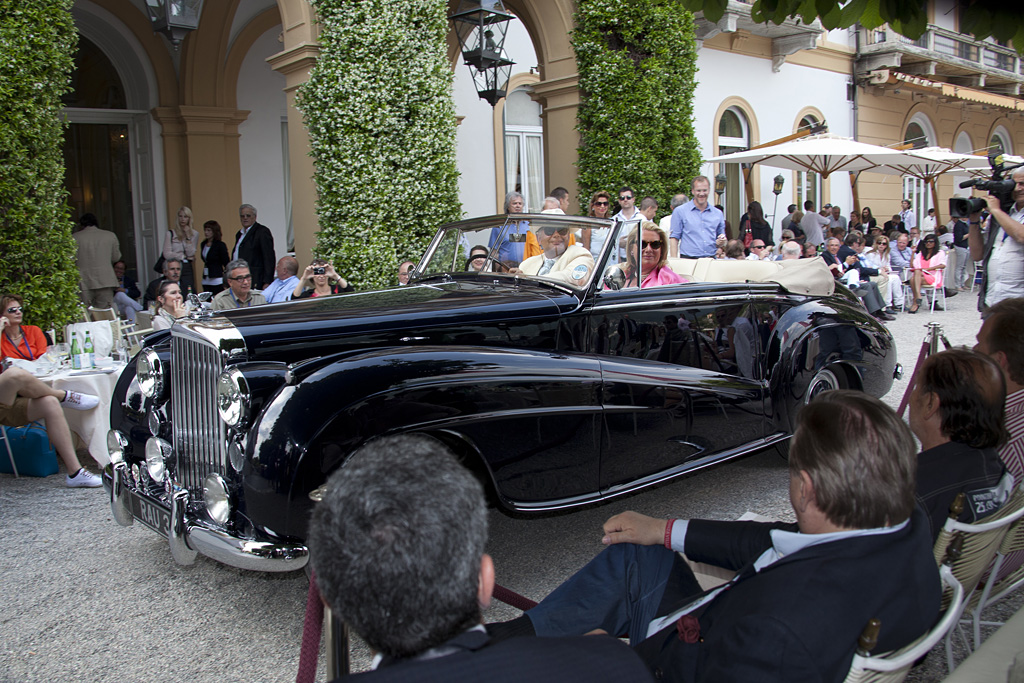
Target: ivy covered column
pixel 637 63
pixel 378 109
pixel 37 254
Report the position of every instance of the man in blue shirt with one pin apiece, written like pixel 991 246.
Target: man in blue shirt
pixel 697 227
pixel 281 289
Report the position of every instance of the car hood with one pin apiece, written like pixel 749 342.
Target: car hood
pixel 378 316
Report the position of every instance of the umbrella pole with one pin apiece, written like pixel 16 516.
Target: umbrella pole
pixel 935 200
pixel 774 212
pixel 853 189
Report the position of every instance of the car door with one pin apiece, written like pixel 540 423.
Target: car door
pixel 681 384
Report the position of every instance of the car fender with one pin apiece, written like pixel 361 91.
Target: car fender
pixel 310 427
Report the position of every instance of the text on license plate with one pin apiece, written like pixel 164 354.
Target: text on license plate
pixel 152 515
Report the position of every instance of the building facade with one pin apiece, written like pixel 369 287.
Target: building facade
pixel 213 124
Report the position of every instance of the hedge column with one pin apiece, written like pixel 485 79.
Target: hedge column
pixel 378 108
pixel 37 254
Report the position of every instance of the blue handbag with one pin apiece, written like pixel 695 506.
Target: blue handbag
pixel 31 449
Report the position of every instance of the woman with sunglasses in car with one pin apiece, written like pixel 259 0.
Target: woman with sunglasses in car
pixel 17 340
pixel 653 259
pixel 599 205
pixel 316 281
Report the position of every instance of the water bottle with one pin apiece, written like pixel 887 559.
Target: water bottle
pixel 88 357
pixel 76 351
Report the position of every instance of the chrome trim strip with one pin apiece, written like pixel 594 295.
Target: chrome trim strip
pixel 647 303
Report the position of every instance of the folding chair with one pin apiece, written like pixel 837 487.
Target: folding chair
pixel 894 666
pixel 10 455
pixel 998 587
pixel 981 541
pixel 97 314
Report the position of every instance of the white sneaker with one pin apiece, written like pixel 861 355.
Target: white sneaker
pixel 77 401
pixel 83 479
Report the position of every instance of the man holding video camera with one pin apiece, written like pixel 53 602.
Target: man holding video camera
pixel 1001 249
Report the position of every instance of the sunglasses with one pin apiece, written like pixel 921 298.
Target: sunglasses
pixel 625 198
pixel 600 203
pixel 757 246
pixel 551 230
pixel 655 244
pixel 15 309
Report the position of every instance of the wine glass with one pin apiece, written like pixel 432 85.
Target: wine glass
pixel 63 352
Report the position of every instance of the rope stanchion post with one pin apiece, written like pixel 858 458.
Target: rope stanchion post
pixel 929 346
pixel 338 662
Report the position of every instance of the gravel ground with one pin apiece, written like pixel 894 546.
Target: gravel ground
pixel 87 600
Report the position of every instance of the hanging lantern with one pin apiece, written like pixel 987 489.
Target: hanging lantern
pixel 175 18
pixel 481 26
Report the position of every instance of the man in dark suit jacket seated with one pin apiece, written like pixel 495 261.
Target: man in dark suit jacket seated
pixel 398 549
pixel 956 411
pixel 803 592
pixel 172 272
pixel 841 259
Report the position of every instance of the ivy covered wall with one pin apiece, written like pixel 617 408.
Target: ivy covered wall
pixel 637 62
pixel 378 108
pixel 37 253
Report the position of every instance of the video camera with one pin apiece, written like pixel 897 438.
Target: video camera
pixel 997 185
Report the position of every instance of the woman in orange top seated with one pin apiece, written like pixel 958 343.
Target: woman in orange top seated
pixel 17 340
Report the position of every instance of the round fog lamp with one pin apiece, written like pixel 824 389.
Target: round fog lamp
pixel 232 397
pixel 216 498
pixel 116 443
pixel 149 372
pixel 157 452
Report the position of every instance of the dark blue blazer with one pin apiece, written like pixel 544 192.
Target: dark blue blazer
pixel 799 618
pixel 519 660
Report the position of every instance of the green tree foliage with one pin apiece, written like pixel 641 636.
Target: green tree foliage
pixel 983 18
pixel 378 108
pixel 637 63
pixel 37 253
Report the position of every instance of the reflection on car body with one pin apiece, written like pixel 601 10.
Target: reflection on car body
pixel 556 393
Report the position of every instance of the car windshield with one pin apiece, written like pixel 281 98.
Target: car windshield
pixel 563 249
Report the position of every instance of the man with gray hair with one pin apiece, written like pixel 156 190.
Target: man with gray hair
pixel 254 244
pixel 398 550
pixel 239 293
pixel 791 250
pixel 281 289
pixel 172 273
pixel 511 240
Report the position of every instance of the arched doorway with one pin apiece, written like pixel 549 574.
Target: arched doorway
pixel 524 148
pixel 733 136
pixel 808 183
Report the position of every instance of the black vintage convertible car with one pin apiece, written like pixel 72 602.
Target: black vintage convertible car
pixel 557 390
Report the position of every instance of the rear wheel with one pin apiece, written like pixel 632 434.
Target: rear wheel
pixel 824 380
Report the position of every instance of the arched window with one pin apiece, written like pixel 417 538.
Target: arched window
pixel 1000 142
pixel 919 134
pixel 524 148
pixel 808 183
pixel 733 136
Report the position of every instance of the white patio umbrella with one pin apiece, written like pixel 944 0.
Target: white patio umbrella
pixel 822 154
pixel 928 163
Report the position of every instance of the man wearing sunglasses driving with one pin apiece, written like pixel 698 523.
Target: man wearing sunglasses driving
pixel 568 263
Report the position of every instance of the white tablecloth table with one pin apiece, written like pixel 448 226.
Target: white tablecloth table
pixel 91 425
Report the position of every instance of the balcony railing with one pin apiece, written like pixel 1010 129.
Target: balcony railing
pixel 949 44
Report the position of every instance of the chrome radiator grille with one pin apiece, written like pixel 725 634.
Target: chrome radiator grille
pixel 199 433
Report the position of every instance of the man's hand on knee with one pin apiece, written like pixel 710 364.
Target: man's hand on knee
pixel 632 527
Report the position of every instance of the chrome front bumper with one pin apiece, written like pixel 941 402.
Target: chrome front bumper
pixel 186 537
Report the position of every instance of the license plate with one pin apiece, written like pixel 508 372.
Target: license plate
pixel 156 517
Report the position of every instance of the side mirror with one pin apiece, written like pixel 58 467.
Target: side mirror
pixel 614 278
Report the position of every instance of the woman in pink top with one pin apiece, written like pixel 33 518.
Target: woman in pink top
pixel 927 265
pixel 654 259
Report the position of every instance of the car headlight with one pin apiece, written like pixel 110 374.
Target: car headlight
pixel 116 443
pixel 217 498
pixel 149 373
pixel 232 397
pixel 157 453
